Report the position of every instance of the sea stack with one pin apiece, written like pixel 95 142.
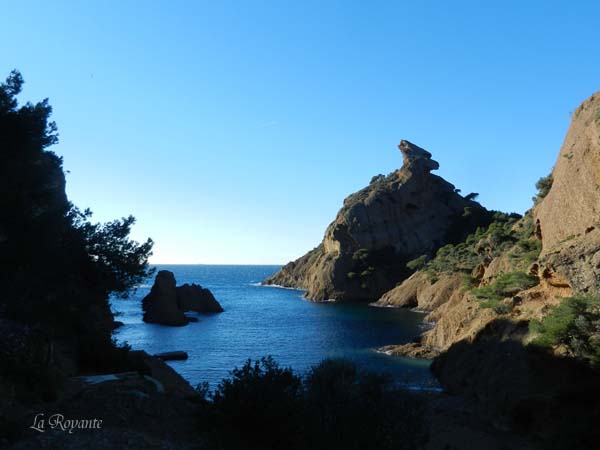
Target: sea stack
pixel 396 218
pixel 166 303
pixel 193 297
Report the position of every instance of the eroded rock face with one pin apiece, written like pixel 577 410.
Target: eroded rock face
pixel 569 216
pixel 166 303
pixel 395 219
pixel 453 313
pixel 160 305
pixel 575 193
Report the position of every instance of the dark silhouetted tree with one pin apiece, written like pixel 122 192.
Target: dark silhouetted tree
pixel 56 267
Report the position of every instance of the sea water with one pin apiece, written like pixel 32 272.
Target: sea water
pixel 262 320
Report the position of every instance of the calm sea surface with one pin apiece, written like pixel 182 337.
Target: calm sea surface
pixel 260 321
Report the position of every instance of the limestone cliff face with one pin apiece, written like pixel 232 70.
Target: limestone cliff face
pixel 396 218
pixel 569 216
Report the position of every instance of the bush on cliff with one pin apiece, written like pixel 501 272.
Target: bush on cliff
pixel 335 406
pixel 485 242
pixel 543 185
pixel 417 263
pixel 258 406
pixel 508 234
pixel 505 285
pixel 574 324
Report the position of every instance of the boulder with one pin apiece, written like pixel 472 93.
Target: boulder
pixel 160 305
pixel 193 297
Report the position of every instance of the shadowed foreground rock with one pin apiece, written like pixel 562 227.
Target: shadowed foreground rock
pixel 166 303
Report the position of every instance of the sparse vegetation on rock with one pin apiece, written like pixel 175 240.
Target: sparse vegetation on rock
pixel 506 285
pixel 543 185
pixel 574 324
pixel 417 263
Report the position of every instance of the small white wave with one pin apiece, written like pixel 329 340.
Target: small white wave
pixel 329 300
pixel 426 325
pixel 278 286
pixel 380 305
pixel 383 352
pixel 420 311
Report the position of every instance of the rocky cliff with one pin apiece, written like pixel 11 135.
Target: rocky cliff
pixel 568 218
pixel 397 218
pixel 557 242
pixel 483 293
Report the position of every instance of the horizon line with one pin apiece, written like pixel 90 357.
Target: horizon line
pixel 212 264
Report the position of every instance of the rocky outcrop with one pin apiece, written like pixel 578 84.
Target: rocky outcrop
pixel 166 303
pixel 418 291
pixel 193 297
pixel 148 407
pixel 160 305
pixel 455 315
pixel 395 219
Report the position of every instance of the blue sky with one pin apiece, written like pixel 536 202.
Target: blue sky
pixel 233 130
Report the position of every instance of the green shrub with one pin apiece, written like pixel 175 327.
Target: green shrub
pixel 350 409
pixel 497 306
pixel 526 252
pixel 574 323
pixel 367 272
pixel 567 239
pixel 361 254
pixel 417 263
pixel 468 282
pixel 257 407
pixel 543 185
pixel 485 242
pixel 381 261
pixel 335 406
pixel 506 285
pixel 352 275
pixel 377 178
